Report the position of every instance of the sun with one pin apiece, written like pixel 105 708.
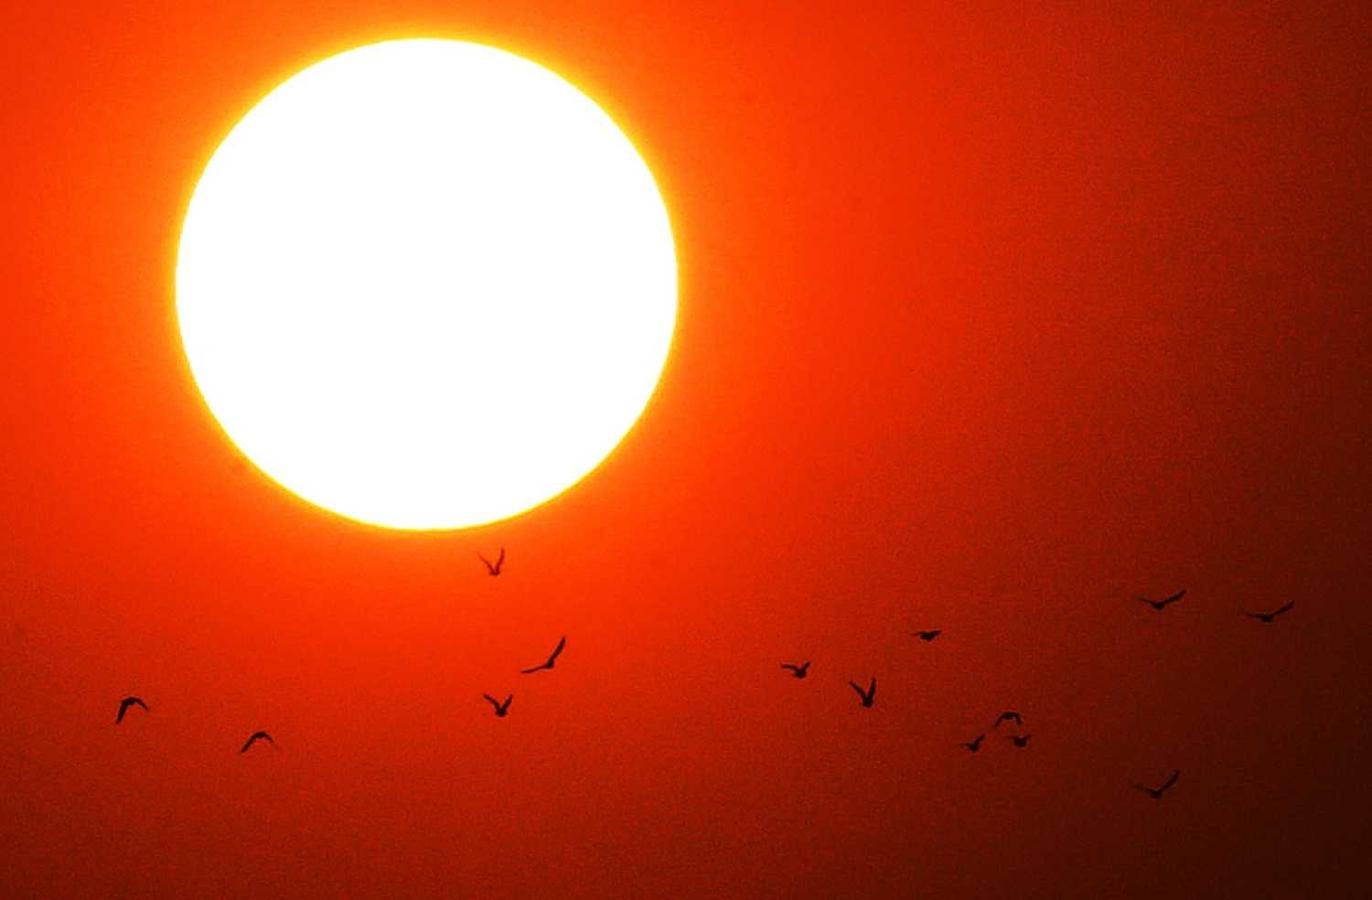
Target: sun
pixel 426 284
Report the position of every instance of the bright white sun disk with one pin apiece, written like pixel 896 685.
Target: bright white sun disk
pixel 426 284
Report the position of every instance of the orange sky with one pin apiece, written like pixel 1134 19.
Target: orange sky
pixel 989 320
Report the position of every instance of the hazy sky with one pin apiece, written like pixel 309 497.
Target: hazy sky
pixel 990 320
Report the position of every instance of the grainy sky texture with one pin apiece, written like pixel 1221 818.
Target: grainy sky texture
pixel 992 317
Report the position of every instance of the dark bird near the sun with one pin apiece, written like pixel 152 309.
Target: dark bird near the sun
pixel 1020 740
pixel 552 660
pixel 1157 792
pixel 1010 716
pixel 501 709
pixel 798 671
pixel 869 695
pixel 1270 617
pixel 254 738
pixel 494 570
pixel 927 636
pixel 1165 602
pixel 975 743
pixel 124 707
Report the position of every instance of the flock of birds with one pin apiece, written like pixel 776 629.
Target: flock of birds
pixel 866 696
pixel 1020 739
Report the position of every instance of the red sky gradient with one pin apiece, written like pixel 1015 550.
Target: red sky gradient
pixel 990 319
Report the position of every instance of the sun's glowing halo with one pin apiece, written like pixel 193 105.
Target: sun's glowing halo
pixel 426 284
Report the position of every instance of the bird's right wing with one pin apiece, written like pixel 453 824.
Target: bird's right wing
pixel 1171 780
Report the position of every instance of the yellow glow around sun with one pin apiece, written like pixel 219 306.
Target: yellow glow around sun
pixel 426 284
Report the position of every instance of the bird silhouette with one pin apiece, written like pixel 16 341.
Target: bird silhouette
pixel 254 738
pixel 975 743
pixel 501 709
pixel 124 707
pixel 869 695
pixel 1020 740
pixel 1270 617
pixel 494 570
pixel 1157 792
pixel 799 671
pixel 927 636
pixel 1010 716
pixel 1165 602
pixel 552 659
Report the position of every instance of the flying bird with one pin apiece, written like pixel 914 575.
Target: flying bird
pixel 868 695
pixel 1020 740
pixel 494 570
pixel 124 707
pixel 1270 617
pixel 975 744
pixel 552 659
pixel 254 738
pixel 1010 716
pixel 501 709
pixel 1157 792
pixel 799 671
pixel 1165 602
pixel 927 636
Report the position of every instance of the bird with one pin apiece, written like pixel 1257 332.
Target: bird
pixel 254 738
pixel 1165 602
pixel 1020 740
pixel 1157 792
pixel 1010 716
pixel 975 743
pixel 552 659
pixel 494 570
pixel 927 636
pixel 1270 617
pixel 868 695
pixel 124 707
pixel 799 671
pixel 501 709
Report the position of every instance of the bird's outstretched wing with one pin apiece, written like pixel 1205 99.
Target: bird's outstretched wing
pixel 557 651
pixel 500 560
pixel 538 668
pixel 854 685
pixel 486 562
pixel 1261 617
pixel 254 738
pixel 1171 780
pixel 793 668
pixel 1175 597
pixel 491 700
pixel 1283 609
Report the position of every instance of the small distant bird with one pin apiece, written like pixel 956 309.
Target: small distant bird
pixel 254 738
pixel 1165 602
pixel 494 570
pixel 868 695
pixel 799 671
pixel 501 709
pixel 975 743
pixel 552 660
pixel 1020 740
pixel 125 704
pixel 1010 716
pixel 927 636
pixel 1157 792
pixel 1270 617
